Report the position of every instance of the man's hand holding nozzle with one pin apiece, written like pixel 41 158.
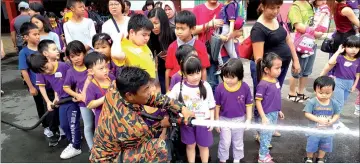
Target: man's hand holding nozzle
pixel 187 114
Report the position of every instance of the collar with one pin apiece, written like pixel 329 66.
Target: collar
pixel 191 42
pixel 56 65
pixel 269 80
pixel 102 86
pixel 79 69
pixel 53 25
pixel 349 59
pixel 190 85
pixel 234 89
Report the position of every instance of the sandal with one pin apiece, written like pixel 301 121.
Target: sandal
pixel 277 134
pixel 320 160
pixel 292 98
pixel 301 98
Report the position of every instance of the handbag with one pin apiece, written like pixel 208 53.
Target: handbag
pixel 328 43
pixel 213 45
pixel 245 49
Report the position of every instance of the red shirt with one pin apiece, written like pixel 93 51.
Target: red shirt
pixel 343 24
pixel 172 64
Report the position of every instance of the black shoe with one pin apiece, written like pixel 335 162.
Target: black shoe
pixel 54 140
pixel 308 160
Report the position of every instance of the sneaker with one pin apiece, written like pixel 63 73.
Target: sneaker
pixel 267 159
pixel 308 160
pixel 257 138
pixel 70 152
pixel 48 133
pixel 54 140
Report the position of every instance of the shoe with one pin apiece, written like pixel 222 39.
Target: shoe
pixel 70 152
pixel 48 133
pixel 277 134
pixel 308 160
pixel 54 140
pixel 257 138
pixel 267 159
pixel 2 92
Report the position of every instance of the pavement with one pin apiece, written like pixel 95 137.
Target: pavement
pixel 19 146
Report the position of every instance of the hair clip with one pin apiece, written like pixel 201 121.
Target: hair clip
pixel 109 40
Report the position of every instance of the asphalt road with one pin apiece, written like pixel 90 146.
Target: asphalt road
pixel 20 146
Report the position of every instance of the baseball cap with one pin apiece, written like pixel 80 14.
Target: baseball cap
pixel 23 5
pixel 239 22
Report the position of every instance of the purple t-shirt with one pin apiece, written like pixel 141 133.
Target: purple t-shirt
pixel 174 80
pixel 269 92
pixel 346 69
pixel 233 103
pixel 353 3
pixel 75 79
pixel 93 92
pixel 230 13
pixel 56 80
pixel 159 112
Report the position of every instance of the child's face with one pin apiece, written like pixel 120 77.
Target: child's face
pixel 38 23
pixel 78 9
pixel 77 59
pixel 100 70
pixel 352 51
pixel 103 48
pixel 183 31
pixel 149 7
pixel 194 78
pixel 324 93
pixel 275 70
pixel 49 68
pixel 141 37
pixel 320 2
pixel 33 37
pixel 231 81
pixel 52 52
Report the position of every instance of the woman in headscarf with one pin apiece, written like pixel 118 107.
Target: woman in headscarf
pixel 170 11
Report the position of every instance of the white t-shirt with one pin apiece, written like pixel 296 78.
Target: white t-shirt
pixel 191 97
pixel 52 36
pixel 82 31
pixel 109 28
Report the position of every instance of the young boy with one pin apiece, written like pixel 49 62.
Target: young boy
pixel 95 93
pixel 135 46
pixel 185 22
pixel 323 112
pixel 53 74
pixel 78 27
pixel 74 85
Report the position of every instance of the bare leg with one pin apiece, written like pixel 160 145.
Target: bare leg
pixel 293 83
pixel 302 83
pixel 190 152
pixel 204 154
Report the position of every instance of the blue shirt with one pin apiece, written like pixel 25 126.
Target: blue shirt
pixel 23 54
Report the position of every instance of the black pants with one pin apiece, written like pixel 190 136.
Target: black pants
pixel 339 38
pixel 52 119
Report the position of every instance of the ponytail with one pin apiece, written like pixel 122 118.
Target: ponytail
pixel 259 69
pixel 202 90
pixel 180 98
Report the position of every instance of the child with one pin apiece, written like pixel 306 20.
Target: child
pixel 233 101
pixel 268 100
pixel 345 69
pixel 322 16
pixel 45 29
pixel 323 112
pixel 78 27
pixel 53 74
pixel 135 46
pixel 181 53
pixel 96 64
pixel 197 95
pixel 74 85
pixel 357 102
pixel 185 22
pixel 102 43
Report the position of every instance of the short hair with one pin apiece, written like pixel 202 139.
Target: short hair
pixel 183 51
pixel 26 27
pixel 75 47
pixel 186 17
pixel 37 62
pixel 37 7
pixel 44 45
pixel 130 79
pixel 233 68
pixel 324 81
pixel 94 58
pixel 128 3
pixel 139 22
pixel 147 3
pixel 52 15
pixel 45 22
pixel 122 3
pixel 71 3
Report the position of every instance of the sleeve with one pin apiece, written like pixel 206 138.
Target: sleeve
pixel 40 80
pixel 209 96
pixel 170 57
pixel 56 39
pixel 260 92
pixel 22 60
pixel 172 83
pixel 325 9
pixel 336 108
pixel 257 34
pixel 295 14
pixel 67 33
pixel 309 107
pixel 203 55
pixel 231 11
pixel 90 95
pixel 358 68
pixel 12 25
pixel 92 31
pixel 69 80
pixel 339 59
pixel 218 95
pixel 249 98
pixel 164 102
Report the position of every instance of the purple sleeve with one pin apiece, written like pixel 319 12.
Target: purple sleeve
pixel 40 79
pixel 249 98
pixel 231 11
pixel 69 80
pixel 218 95
pixel 260 92
pixel 90 94
pixel 112 77
pixel 358 68
pixel 339 60
pixel 172 83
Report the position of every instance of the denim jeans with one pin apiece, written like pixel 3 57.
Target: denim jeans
pixel 212 78
pixel 266 135
pixel 306 65
pixel 342 91
pixel 88 119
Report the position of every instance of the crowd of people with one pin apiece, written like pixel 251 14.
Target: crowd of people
pixel 163 60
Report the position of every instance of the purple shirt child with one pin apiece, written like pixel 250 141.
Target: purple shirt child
pixel 174 80
pixel 269 93
pixel 75 79
pixel 95 92
pixel 345 68
pixel 358 72
pixel 229 12
pixel 56 80
pixel 353 3
pixel 233 103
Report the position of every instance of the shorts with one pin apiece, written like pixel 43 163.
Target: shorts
pixel 306 65
pixel 315 143
pixel 199 135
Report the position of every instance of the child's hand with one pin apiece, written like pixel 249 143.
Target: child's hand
pixel 281 115
pixel 56 99
pixel 33 91
pixel 341 49
pixel 165 122
pixel 49 106
pixel 223 38
pixel 210 128
pixel 265 121
pixel 218 130
pixel 323 122
pixel 247 123
pixel 353 88
pixel 80 98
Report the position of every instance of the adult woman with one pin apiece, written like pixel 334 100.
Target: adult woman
pixel 160 39
pixel 149 5
pixel 57 28
pixel 170 11
pixel 36 8
pixel 268 36
pixel 45 29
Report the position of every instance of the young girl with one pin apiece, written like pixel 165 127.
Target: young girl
pixel 102 43
pixel 322 16
pixel 233 101
pixel 345 69
pixel 75 78
pixel 268 100
pixel 357 102
pixel 57 28
pixel 45 30
pixel 198 97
